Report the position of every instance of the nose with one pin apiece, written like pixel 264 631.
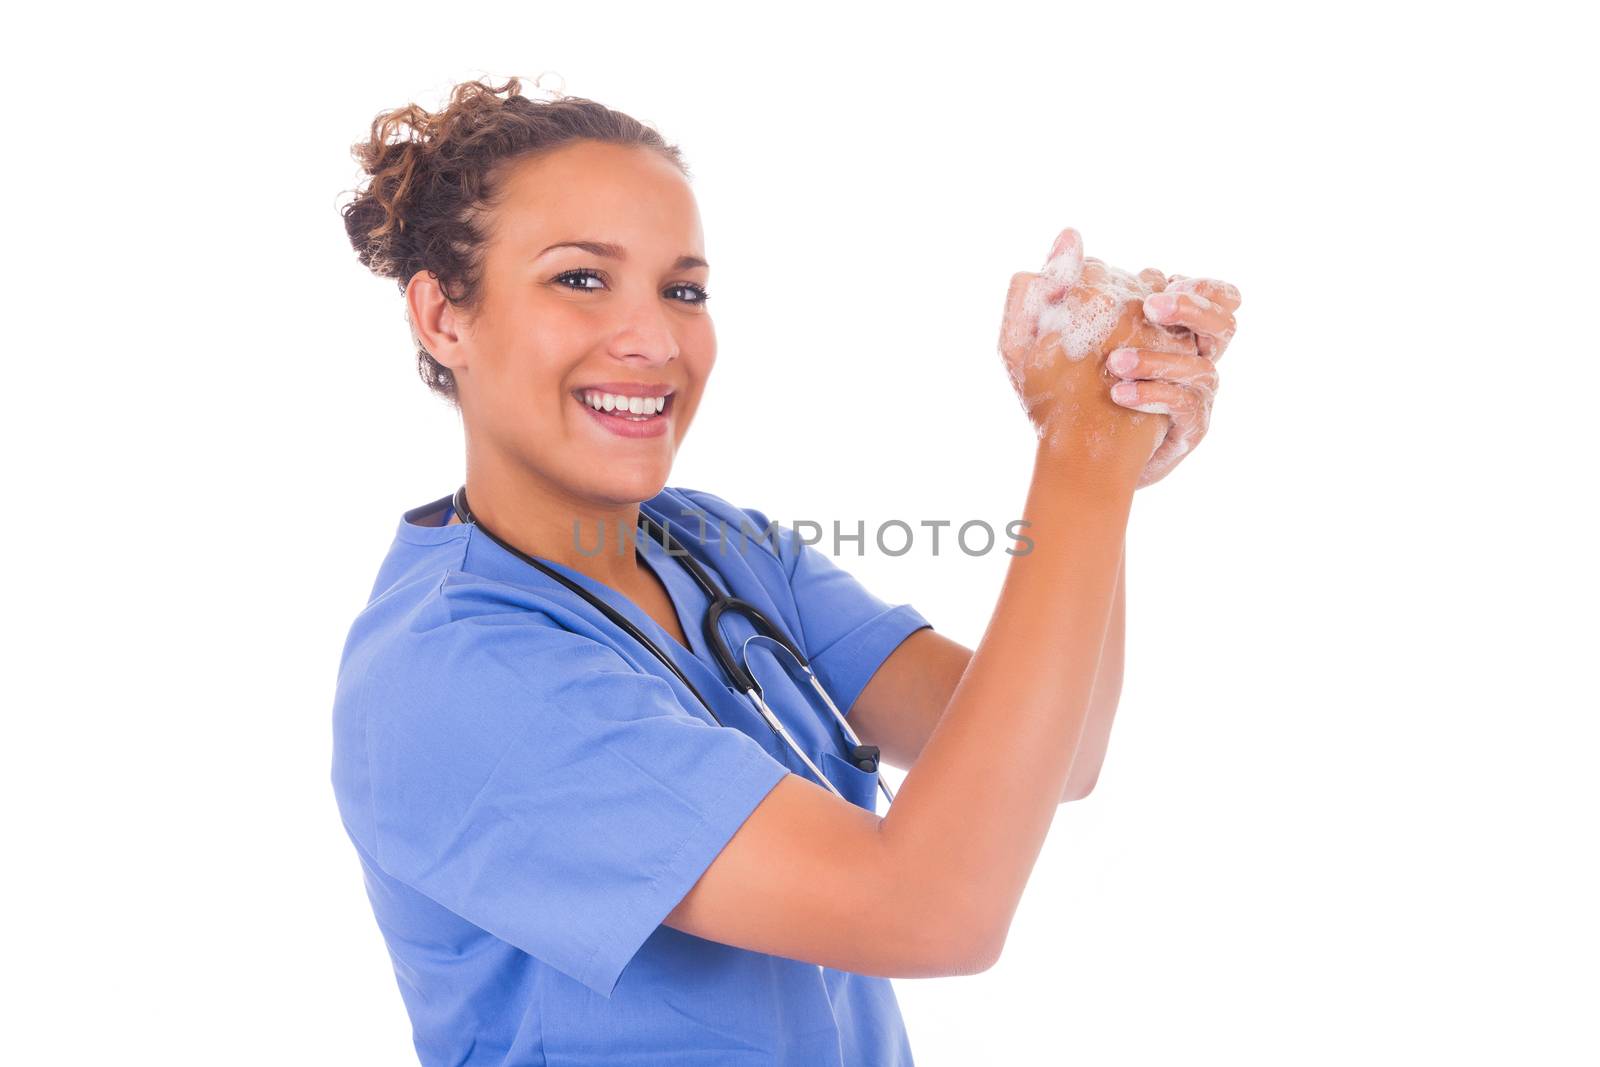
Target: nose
pixel 645 335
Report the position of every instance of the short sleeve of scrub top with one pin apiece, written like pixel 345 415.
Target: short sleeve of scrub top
pixel 537 785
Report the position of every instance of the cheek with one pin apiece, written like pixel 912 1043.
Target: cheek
pixel 698 346
pixel 538 352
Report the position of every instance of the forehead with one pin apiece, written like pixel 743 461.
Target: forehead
pixel 591 191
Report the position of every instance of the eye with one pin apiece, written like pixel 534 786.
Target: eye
pixel 700 297
pixel 698 292
pixel 584 273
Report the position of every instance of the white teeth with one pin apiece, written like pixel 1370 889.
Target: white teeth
pixel 644 406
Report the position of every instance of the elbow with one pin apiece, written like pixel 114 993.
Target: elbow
pixel 976 945
pixel 954 937
pixel 1077 790
pixel 942 921
pixel 968 953
pixel 969 966
pixel 948 951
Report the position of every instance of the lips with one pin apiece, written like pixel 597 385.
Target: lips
pixel 622 424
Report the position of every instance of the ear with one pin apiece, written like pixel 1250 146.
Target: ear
pixel 438 324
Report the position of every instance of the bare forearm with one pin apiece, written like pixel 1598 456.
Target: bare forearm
pixel 1091 754
pixel 971 816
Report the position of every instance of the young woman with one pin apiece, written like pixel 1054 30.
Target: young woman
pixel 594 829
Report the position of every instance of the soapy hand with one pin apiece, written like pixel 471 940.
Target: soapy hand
pixel 1179 386
pixel 1058 326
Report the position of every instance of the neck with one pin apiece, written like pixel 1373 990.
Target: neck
pixel 548 523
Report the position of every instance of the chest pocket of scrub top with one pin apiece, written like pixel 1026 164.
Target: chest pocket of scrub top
pixel 812 725
pixel 858 786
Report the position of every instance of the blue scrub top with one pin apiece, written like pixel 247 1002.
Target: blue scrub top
pixel 530 792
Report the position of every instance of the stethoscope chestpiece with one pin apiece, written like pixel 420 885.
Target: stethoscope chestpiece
pixel 864 757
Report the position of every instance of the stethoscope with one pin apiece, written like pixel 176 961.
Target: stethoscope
pixel 862 756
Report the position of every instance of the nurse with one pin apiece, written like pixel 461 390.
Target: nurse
pixel 580 854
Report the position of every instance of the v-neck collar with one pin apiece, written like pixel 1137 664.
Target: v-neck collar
pixel 688 599
pixel 683 592
pixel 690 603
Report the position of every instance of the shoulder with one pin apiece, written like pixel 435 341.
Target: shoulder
pixel 471 621
pixel 472 659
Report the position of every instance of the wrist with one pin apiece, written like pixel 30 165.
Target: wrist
pixel 1068 470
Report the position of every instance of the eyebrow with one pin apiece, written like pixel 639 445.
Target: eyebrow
pixel 608 250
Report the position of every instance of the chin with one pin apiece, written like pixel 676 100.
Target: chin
pixel 631 487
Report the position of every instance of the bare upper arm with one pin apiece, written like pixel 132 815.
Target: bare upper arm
pixel 903 701
pixel 809 877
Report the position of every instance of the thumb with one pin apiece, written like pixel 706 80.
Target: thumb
pixel 1018 325
pixel 1065 265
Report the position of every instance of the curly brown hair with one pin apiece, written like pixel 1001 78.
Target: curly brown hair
pixel 433 178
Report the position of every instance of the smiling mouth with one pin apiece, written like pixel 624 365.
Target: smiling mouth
pixel 623 406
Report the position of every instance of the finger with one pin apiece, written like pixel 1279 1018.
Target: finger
pixel 1162 398
pixel 1172 449
pixel 1194 372
pixel 1017 326
pixel 1191 311
pixel 1209 346
pixel 1173 339
pixel 1154 279
pixel 1213 289
pixel 1188 413
pixel 1065 265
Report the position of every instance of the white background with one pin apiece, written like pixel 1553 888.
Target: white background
pixel 1348 814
